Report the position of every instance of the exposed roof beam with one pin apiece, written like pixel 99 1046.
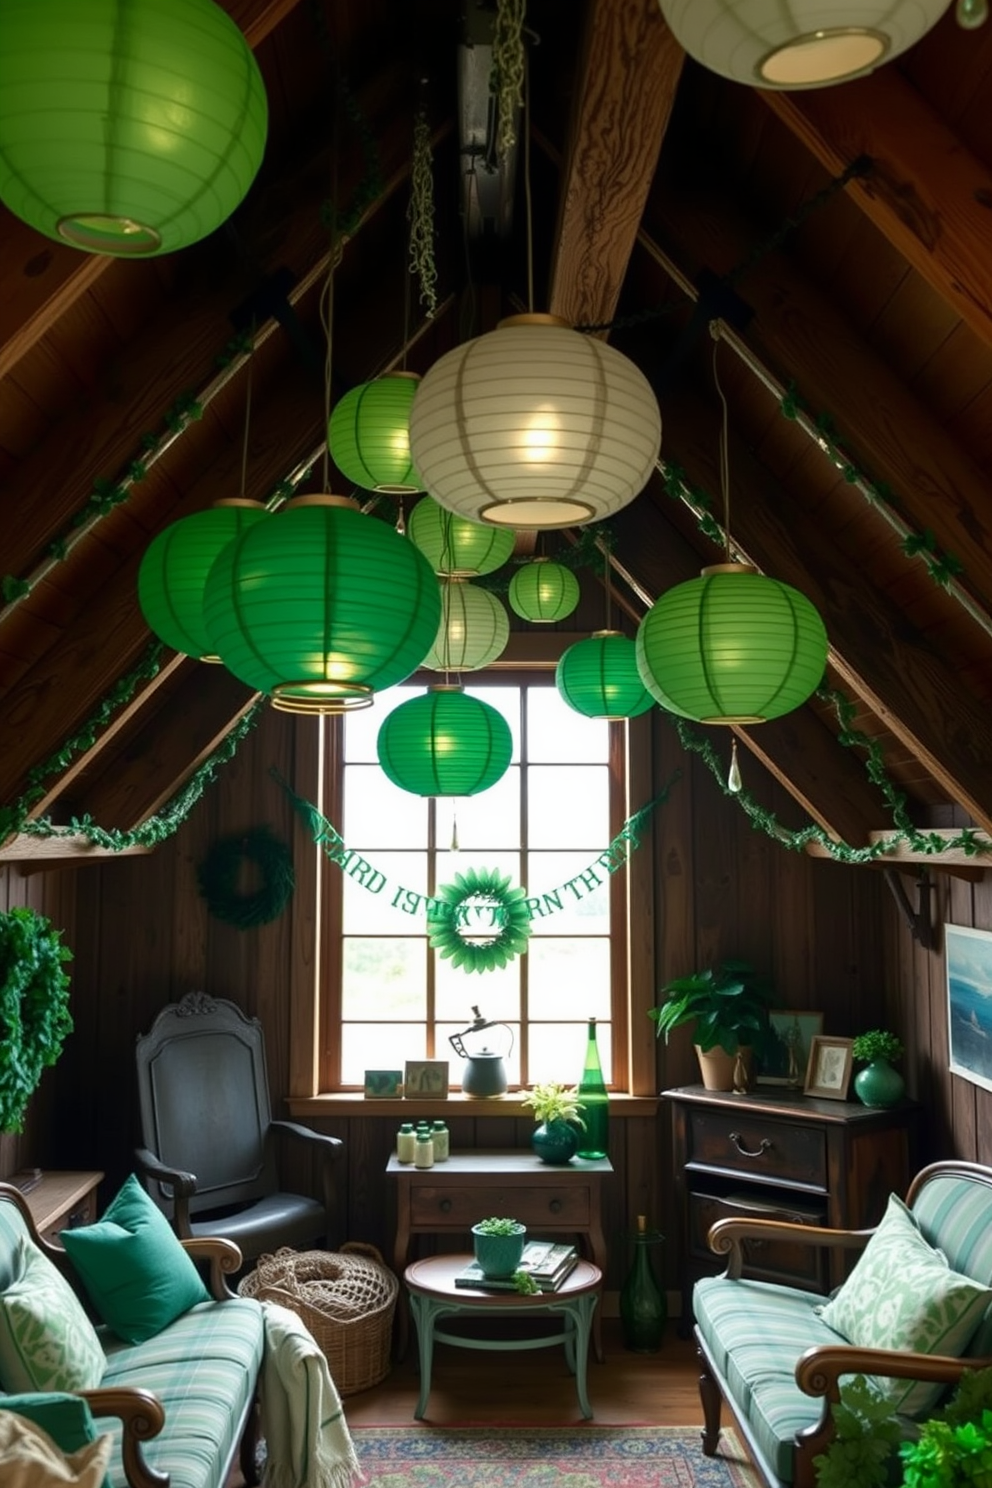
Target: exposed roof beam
pixel 42 850
pixel 949 858
pixel 926 193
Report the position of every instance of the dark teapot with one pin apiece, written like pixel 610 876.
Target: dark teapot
pixel 484 1074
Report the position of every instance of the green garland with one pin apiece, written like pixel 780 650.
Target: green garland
pixel 217 876
pixel 511 920
pixel 34 1008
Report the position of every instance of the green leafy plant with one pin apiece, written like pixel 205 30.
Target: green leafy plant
pixel 553 1101
pixel 728 1004
pixel 498 1226
pixel 525 1283
pixel 34 1008
pixel 877 1044
pixel 866 1441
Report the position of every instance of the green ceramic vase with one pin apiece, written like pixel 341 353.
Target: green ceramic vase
pixel 878 1084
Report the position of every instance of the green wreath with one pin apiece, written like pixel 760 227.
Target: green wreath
pixel 34 1008
pixel 509 913
pixel 218 874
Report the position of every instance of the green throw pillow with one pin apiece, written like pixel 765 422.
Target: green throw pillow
pixel 46 1340
pixel 67 1418
pixel 902 1294
pixel 138 1276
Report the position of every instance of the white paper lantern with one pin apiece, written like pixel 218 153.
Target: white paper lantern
pixel 534 426
pixel 474 629
pixel 799 44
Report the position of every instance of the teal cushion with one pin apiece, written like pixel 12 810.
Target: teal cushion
pixel 46 1340
pixel 67 1418
pixel 137 1274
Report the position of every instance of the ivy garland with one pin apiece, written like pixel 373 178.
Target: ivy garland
pixel 218 873
pixel 34 1008
pixel 479 889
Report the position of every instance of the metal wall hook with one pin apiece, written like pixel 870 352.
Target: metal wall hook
pixel 919 920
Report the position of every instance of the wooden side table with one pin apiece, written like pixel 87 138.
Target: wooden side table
pixel 62 1201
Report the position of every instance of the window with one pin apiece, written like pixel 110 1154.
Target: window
pixel 386 996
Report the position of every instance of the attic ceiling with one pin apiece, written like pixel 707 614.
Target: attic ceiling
pixel 855 355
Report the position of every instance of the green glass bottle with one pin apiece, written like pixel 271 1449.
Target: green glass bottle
pixel 593 1101
pixel 643 1307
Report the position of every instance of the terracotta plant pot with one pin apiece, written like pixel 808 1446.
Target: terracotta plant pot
pixel 717 1067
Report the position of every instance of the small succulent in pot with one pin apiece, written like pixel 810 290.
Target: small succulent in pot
pixel 497 1227
pixel 498 1245
pixel 877 1043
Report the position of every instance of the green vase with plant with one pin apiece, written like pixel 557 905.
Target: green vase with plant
pixel 878 1084
pixel 34 1008
pixel 498 1245
pixel 728 1005
pixel 556 1109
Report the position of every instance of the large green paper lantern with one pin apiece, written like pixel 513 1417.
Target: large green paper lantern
pixel 445 743
pixel 127 127
pixel 321 606
pixel 732 646
pixel 474 629
pixel 173 573
pixel 543 591
pixel 454 545
pixel 369 434
pixel 598 677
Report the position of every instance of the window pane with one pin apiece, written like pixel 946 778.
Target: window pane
pixel 384 978
pixel 584 908
pixel 450 863
pixel 457 992
pixel 364 910
pixel 569 806
pixel 569 978
pixel 379 814
pixel 378 1046
pixel 490 819
pixel 556 732
pixel 361 728
pixel 557 1052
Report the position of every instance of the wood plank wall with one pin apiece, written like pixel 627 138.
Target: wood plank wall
pixel 142 937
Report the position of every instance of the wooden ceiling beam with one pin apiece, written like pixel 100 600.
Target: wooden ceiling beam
pixel 972 864
pixel 926 192
pixel 625 89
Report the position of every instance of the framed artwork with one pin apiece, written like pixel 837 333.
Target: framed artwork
pixel 383 1084
pixel 426 1077
pixel 968 954
pixel 828 1072
pixel 785 1062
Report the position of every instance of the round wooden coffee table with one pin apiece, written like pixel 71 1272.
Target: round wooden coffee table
pixel 433 1295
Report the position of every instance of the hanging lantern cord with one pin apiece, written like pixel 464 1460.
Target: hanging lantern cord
pixel 527 190
pixel 715 331
pixel 327 295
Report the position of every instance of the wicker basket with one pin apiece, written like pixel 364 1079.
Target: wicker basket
pixel 346 1297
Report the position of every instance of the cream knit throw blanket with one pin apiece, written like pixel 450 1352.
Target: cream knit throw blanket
pixel 308 1444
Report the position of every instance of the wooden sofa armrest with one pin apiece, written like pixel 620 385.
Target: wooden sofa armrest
pixel 223 1257
pixel 726 1235
pixel 142 1416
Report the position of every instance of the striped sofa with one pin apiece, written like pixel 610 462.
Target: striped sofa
pixel 181 1404
pixel 767 1353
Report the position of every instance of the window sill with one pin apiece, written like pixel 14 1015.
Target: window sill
pixel 352 1103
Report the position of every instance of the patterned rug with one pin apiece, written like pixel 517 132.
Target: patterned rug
pixel 548 1457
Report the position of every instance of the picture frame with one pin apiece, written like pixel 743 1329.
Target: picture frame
pixel 383 1084
pixel 968 959
pixel 828 1072
pixel 785 1064
pixel 426 1078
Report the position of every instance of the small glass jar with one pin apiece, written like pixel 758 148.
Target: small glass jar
pixel 406 1143
pixel 440 1138
pixel 423 1156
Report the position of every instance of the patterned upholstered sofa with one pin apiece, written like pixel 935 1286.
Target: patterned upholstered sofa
pixel 179 1404
pixel 778 1362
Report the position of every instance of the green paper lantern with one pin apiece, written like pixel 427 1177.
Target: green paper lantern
pixel 474 629
pixel 543 591
pixel 173 573
pixel 445 743
pixel 321 606
pixel 129 129
pixel 598 677
pixel 732 646
pixel 454 545
pixel 369 434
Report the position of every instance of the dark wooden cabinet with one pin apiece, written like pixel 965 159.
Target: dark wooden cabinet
pixel 783 1156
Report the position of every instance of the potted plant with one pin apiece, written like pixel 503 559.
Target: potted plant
pixel 556 1109
pixel 498 1244
pixel 728 1005
pixel 878 1084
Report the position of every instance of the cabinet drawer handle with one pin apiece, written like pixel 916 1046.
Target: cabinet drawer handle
pixel 763 1147
pixel 555 1206
pixel 445 1206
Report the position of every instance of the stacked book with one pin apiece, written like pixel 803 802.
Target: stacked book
pixel 545 1262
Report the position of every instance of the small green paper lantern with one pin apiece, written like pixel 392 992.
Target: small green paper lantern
pixel 474 629
pixel 173 573
pixel 454 545
pixel 127 129
pixel 543 591
pixel 321 606
pixel 598 677
pixel 445 743
pixel 369 434
pixel 732 646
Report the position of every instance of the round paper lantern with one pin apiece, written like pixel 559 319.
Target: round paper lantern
pixel 173 573
pixel 598 677
pixel 474 629
pixel 127 129
pixel 804 44
pixel 454 545
pixel 534 425
pixel 321 606
pixel 369 434
pixel 543 591
pixel 731 647
pixel 445 743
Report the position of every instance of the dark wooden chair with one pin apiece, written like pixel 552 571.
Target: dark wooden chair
pixel 211 1152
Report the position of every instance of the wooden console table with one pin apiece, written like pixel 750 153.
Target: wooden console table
pixel 452 1196
pixel 62 1201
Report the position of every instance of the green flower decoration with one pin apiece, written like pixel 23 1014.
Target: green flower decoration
pixel 455 905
